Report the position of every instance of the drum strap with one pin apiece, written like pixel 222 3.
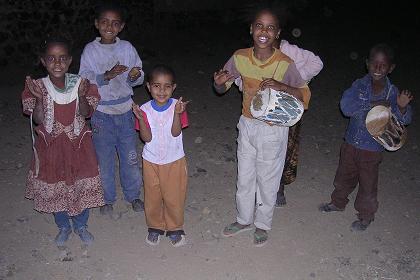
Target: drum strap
pixel 389 91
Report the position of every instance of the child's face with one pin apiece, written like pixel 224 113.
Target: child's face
pixel 56 60
pixel 109 25
pixel 161 88
pixel 265 29
pixel 379 66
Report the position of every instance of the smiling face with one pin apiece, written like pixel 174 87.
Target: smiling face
pixel 57 61
pixel 264 30
pixel 109 25
pixel 161 87
pixel 379 66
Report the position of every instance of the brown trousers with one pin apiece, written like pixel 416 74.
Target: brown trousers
pixel 361 167
pixel 165 188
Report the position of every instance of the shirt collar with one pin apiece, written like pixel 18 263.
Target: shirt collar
pixel 161 108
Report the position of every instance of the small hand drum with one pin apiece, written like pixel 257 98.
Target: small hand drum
pixel 385 128
pixel 277 107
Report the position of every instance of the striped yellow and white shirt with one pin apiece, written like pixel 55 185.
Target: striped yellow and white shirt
pixel 279 66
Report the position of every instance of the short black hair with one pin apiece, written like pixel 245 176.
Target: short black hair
pixel 114 6
pixel 161 69
pixel 278 9
pixel 384 48
pixel 57 38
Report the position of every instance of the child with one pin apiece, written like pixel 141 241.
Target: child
pixel 64 176
pixel 308 65
pixel 261 146
pixel 160 122
pixel 360 154
pixel 106 62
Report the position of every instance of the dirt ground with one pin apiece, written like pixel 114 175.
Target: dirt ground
pixel 303 244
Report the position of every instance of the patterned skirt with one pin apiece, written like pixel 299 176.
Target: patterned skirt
pixel 291 161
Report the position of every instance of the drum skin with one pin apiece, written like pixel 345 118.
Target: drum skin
pixel 385 128
pixel 276 107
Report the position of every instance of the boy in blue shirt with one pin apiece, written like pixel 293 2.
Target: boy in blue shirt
pixel 360 154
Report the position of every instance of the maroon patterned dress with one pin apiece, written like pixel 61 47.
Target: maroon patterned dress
pixel 64 173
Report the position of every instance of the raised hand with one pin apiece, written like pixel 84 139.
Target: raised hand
pixel 403 98
pixel 134 73
pixel 180 106
pixel 221 77
pixel 137 111
pixel 118 69
pixel 83 87
pixel 33 87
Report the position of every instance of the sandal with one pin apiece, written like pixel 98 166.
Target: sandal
pixel 234 229
pixel 260 237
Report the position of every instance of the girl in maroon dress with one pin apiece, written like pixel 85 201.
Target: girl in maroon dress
pixel 64 177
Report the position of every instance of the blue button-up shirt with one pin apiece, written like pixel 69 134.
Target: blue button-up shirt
pixel 356 103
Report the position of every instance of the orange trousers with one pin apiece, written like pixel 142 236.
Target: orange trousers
pixel 165 188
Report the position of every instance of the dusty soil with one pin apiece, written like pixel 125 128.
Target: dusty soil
pixel 303 244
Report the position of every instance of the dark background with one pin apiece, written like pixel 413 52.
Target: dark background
pixel 332 29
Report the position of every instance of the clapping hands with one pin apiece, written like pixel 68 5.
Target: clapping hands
pixel 118 69
pixel 33 87
pixel 403 98
pixel 221 77
pixel 181 106
pixel 83 87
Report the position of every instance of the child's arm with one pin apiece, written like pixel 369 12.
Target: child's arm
pixel 292 83
pixel 136 75
pixel 307 63
pixel 145 131
pixel 35 91
pixel 353 103
pixel 84 108
pixel 224 78
pixel 400 106
pixel 87 69
pixel 180 107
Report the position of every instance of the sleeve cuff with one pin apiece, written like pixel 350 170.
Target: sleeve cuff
pixel 100 80
pixel 219 89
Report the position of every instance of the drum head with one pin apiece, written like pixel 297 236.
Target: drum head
pixel 385 128
pixel 277 107
pixel 377 119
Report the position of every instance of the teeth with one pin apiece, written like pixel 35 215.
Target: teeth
pixel 262 39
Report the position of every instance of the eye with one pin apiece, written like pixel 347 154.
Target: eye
pixel 116 24
pixel 64 58
pixel 49 58
pixel 259 25
pixel 271 27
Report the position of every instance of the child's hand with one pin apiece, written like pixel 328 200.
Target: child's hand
pixel 83 87
pixel 403 98
pixel 221 77
pixel 115 71
pixel 271 83
pixel 33 87
pixel 180 106
pixel 134 74
pixel 137 112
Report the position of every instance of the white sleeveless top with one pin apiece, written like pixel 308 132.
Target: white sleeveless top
pixel 164 148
